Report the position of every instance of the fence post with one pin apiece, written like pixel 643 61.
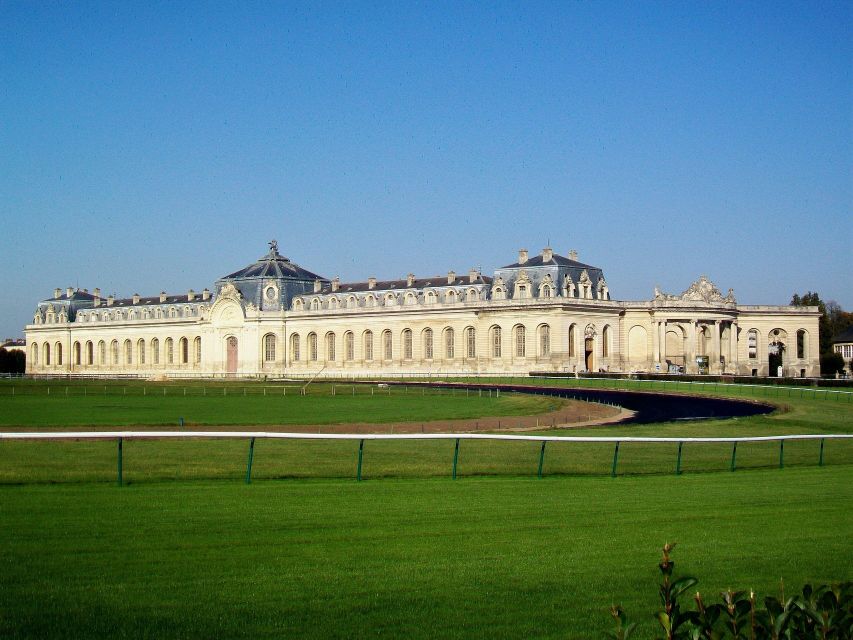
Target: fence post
pixel 678 460
pixel 541 458
pixel 820 460
pixel 781 454
pixel 360 455
pixel 120 479
pixel 615 459
pixel 734 456
pixel 455 457
pixel 249 463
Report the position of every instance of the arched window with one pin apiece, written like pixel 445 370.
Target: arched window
pixel 387 345
pixel 428 344
pixel 294 347
pixel 499 293
pixel 370 301
pixel 184 350
pixel 352 302
pixel 546 291
pixel 197 349
pixel 140 352
pixel 312 347
pixel 451 296
pixel 315 304
pixel 390 299
pixel 605 341
pixel 333 303
pixel 520 341
pixel 119 315
pixel 407 344
pixel 173 313
pixel 472 295
pixel 411 299
pixel 170 351
pixel 368 345
pixel 269 347
pixel 470 342
pixel 330 347
pixel 90 353
pixel 155 351
pixel 46 350
pixel 544 341
pixel 448 343
pixel 102 353
pixel 430 297
pixel 158 313
pixel 78 355
pixel 114 352
pixel 58 353
pixel 298 305
pixel 131 315
pixel 572 339
pixel 349 346
pixel 802 344
pixel 496 342
pixel 34 354
pixel 128 352
pixel 752 344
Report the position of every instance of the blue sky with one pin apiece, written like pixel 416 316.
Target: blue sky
pixel 149 146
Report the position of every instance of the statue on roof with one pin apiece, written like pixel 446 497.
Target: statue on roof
pixel 273 247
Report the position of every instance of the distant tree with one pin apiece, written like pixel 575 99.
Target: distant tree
pixel 831 363
pixel 12 361
pixel 833 320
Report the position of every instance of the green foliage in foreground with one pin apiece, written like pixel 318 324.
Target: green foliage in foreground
pixel 822 613
pixel 475 558
pixel 83 403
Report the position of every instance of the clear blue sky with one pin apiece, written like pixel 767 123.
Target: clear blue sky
pixel 148 146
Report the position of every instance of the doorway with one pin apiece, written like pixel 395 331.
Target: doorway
pixel 231 355
pixel 588 353
pixel 774 358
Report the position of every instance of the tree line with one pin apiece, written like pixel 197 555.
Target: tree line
pixel 833 321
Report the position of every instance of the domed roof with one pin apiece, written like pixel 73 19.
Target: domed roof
pixel 273 265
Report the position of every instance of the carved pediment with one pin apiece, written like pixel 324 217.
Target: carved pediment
pixel 228 290
pixel 702 290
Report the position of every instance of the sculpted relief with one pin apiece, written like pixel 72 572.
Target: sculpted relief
pixel 703 290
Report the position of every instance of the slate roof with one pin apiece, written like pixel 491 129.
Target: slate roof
pixel 128 302
pixel 555 261
pixel 76 295
pixel 844 336
pixel 274 265
pixel 418 283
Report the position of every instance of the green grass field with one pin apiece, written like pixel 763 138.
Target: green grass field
pixel 409 552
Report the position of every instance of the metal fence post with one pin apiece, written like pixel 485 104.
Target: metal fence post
pixel 360 455
pixel 455 457
pixel 820 460
pixel 120 478
pixel 541 458
pixel 615 459
pixel 734 456
pixel 249 463
pixel 678 460
pixel 781 454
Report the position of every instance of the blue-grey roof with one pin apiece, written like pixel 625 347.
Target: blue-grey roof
pixel 274 265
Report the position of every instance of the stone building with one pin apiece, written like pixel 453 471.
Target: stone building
pixel 541 313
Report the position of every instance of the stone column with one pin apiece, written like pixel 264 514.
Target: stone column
pixel 663 341
pixel 690 365
pixel 733 357
pixel 715 356
pixel 655 341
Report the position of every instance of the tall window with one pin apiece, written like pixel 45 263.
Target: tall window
pixel 185 350
pixel 170 351
pixel 496 342
pixel 294 347
pixel 58 349
pixel 46 353
pixel 544 341
pixel 155 351
pixel 330 347
pixel 312 347
pixel 428 344
pixel 114 351
pixel 387 345
pixel 90 354
pixel 407 344
pixel 269 348
pixel 451 296
pixel 78 356
pixel 197 349
pixel 752 344
pixel 605 341
pixel 801 344
pixel 349 346
pixel 572 341
pixel 448 343
pixel 471 342
pixel 140 352
pixel 128 352
pixel 368 345
pixel 34 354
pixel 102 353
pixel 520 338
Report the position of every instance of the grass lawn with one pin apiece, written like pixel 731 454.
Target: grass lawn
pixel 476 558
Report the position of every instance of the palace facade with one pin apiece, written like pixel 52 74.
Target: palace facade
pixel 541 313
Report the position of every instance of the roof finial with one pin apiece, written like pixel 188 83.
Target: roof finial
pixel 273 247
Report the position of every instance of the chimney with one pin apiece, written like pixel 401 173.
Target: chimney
pixel 135 298
pixel 57 292
pixel 162 296
pixel 97 301
pixel 451 277
pixel 547 254
pixel 318 285
pixel 573 255
pixel 522 256
pixel 85 291
pixel 336 283
pixel 190 295
pixel 473 274
pixel 410 280
pixel 371 282
pixel 205 295
pixel 69 291
pixel 110 300
pixel 96 292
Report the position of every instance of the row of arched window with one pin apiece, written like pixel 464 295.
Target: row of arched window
pixel 388 299
pixel 146 313
pixel 115 353
pixel 778 336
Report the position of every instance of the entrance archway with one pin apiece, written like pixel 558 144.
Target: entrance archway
pixel 231 355
pixel 589 353
pixel 774 358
